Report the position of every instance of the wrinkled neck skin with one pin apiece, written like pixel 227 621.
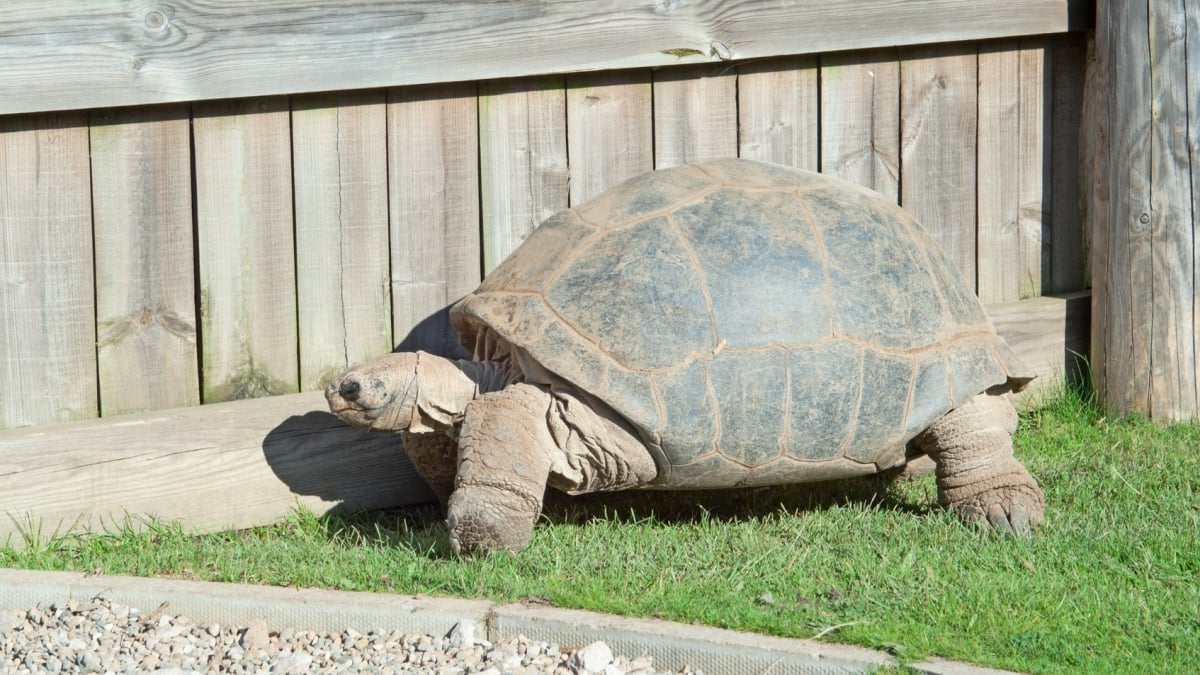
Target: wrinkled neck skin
pixel 442 389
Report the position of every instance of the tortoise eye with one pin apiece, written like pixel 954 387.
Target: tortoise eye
pixel 349 390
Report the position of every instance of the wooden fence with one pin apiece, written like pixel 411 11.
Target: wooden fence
pixel 202 204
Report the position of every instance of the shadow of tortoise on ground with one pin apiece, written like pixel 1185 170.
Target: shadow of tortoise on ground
pixel 317 455
pixel 731 504
pixel 421 528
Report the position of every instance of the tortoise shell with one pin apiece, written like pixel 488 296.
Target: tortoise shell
pixel 755 324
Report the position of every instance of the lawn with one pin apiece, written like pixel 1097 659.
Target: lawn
pixel 1110 583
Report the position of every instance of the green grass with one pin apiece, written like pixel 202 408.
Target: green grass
pixel 1108 584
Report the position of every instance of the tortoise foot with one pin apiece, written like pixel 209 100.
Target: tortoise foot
pixel 1011 505
pixel 485 518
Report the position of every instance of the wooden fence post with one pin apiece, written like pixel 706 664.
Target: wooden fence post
pixel 1143 196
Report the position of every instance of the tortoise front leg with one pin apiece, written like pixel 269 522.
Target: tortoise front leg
pixel 435 458
pixel 977 474
pixel 504 461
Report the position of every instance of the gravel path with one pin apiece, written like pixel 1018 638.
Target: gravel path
pixel 100 636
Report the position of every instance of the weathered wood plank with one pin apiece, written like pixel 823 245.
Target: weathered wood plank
pixel 145 275
pixel 107 52
pixel 1050 334
pixel 1013 214
pixel 523 160
pixel 1095 200
pixel 47 308
pixel 778 111
pixel 695 115
pixel 339 169
pixel 1143 202
pixel 1033 161
pixel 433 171
pixel 213 467
pixel 246 249
pixel 1174 383
pixel 860 118
pixel 1068 232
pixel 610 130
pixel 937 145
pixel 1000 261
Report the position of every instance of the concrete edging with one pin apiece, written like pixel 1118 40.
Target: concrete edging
pixel 672 645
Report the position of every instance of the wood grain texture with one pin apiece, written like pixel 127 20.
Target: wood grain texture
pixel 47 306
pixel 339 178
pixel 433 171
pixel 145 273
pixel 1069 239
pixel 110 52
pixel 610 130
pixel 695 115
pixel 213 467
pixel 523 160
pixel 778 111
pixel 1095 197
pixel 1050 334
pixel 860 119
pixel 937 146
pixel 1143 203
pixel 1013 170
pixel 1033 159
pixel 1174 222
pixel 999 174
pixel 246 249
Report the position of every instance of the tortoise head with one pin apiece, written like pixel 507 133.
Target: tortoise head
pixel 404 391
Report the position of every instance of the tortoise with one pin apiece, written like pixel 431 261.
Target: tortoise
pixel 730 323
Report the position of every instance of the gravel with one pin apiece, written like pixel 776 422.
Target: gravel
pixel 100 636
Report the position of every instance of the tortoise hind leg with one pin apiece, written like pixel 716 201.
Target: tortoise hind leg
pixel 977 474
pixel 504 462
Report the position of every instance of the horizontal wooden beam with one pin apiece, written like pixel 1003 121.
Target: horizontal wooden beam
pixel 212 467
pixel 247 463
pixel 103 53
pixel 1050 333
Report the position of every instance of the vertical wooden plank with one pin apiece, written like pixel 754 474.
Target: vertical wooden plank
pixel 778 112
pixel 339 150
pixel 610 132
pixel 1013 167
pixel 695 114
pixel 145 273
pixel 47 307
pixel 523 160
pixel 937 146
pixel 1146 321
pixel 999 173
pixel 860 118
pixel 1094 157
pixel 1174 224
pixel 1126 312
pixel 1033 164
pixel 246 249
pixel 1068 239
pixel 433 171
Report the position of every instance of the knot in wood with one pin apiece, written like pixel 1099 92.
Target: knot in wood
pixel 156 20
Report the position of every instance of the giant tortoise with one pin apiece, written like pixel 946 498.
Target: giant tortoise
pixel 731 323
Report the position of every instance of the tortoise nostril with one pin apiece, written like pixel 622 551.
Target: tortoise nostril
pixel 349 390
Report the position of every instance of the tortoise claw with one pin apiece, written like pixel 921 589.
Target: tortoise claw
pixel 1010 520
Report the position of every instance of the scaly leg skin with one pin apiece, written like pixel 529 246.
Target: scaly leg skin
pixel 504 460
pixel 977 475
pixel 435 457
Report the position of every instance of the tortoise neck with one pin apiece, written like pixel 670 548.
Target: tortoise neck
pixel 488 376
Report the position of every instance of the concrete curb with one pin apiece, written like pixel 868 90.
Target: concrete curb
pixel 672 645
